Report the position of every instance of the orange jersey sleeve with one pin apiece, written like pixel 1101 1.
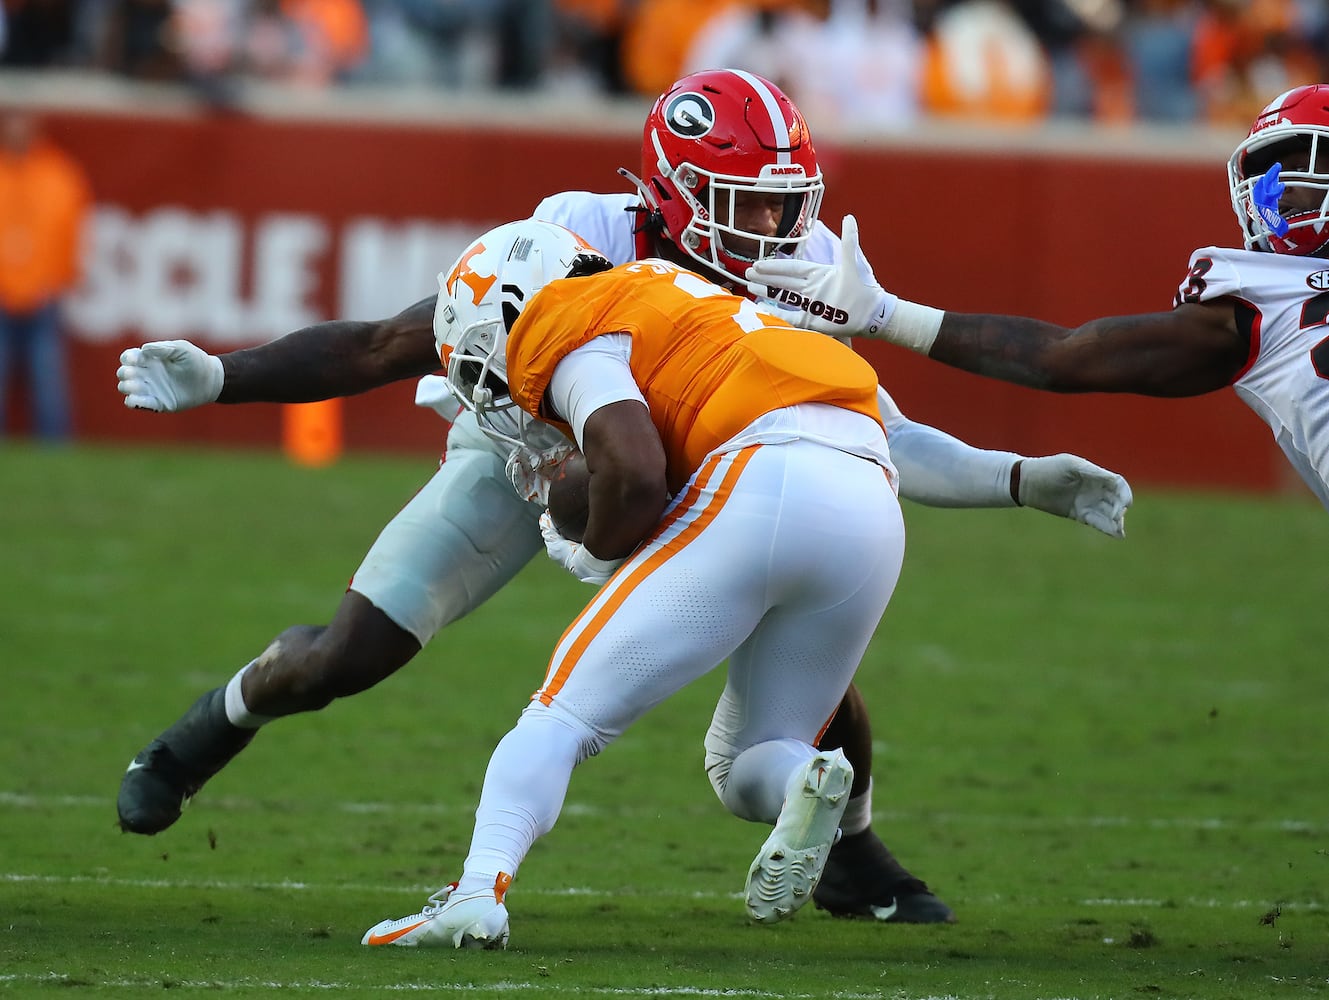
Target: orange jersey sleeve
pixel 707 362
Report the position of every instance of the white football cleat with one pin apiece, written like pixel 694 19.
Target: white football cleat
pixel 789 865
pixel 475 920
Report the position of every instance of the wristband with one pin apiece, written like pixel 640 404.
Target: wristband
pixel 216 378
pixel 914 326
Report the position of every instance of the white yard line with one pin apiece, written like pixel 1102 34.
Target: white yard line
pixel 434 986
pixel 195 885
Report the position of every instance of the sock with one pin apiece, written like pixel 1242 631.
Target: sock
pixel 523 793
pixel 858 814
pixel 239 715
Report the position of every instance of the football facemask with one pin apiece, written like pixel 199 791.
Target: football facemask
pixel 714 137
pixel 1278 176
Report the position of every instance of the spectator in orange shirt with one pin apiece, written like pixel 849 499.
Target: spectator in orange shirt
pixel 44 201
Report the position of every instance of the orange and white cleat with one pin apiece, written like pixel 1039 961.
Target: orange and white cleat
pixel 449 920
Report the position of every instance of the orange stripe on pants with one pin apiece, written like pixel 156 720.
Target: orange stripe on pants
pixel 590 622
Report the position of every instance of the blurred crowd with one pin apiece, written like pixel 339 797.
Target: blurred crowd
pixel 864 63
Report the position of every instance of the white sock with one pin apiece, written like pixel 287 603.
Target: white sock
pixel 236 710
pixel 858 814
pixel 523 794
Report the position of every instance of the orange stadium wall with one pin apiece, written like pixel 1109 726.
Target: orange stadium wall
pixel 230 230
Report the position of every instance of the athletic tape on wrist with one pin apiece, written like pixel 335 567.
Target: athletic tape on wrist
pixel 914 326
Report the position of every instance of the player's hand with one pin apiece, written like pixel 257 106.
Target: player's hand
pixel 836 299
pixel 1266 193
pixel 1070 486
pixel 573 556
pixel 531 472
pixel 169 376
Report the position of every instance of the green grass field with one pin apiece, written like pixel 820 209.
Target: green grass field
pixel 1109 757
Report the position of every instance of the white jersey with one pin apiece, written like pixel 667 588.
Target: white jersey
pixel 607 221
pixel 1286 378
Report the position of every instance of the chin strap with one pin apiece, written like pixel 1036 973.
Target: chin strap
pixel 649 226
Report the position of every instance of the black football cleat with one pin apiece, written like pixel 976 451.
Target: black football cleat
pixel 863 879
pixel 169 771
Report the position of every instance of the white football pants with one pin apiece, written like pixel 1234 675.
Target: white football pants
pixel 779 558
pixel 458 541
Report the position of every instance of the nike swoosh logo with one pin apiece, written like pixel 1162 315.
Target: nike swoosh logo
pixel 135 765
pixel 373 939
pixel 884 912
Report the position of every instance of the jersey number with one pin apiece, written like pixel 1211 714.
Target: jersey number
pixel 1195 283
pixel 748 317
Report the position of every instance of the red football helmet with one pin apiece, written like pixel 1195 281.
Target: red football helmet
pixel 1296 122
pixel 717 134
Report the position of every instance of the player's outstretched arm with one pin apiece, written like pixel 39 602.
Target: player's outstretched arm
pixel 336 358
pixel 1193 349
pixel 939 470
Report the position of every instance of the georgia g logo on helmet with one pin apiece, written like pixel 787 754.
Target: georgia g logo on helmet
pixel 690 115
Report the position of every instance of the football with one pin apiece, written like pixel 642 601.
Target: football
pixel 569 497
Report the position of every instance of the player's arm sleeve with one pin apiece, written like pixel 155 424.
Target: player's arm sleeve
pixel 939 470
pixel 594 375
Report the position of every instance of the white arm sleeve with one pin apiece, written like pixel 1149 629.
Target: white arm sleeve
pixel 594 375
pixel 938 470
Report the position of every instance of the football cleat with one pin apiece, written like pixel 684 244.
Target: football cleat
pixel 863 879
pixel 789 864
pixel 449 920
pixel 169 771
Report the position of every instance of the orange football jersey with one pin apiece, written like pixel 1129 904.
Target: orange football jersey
pixel 708 362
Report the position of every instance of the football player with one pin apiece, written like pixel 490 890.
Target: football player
pixel 733 459
pixel 1255 318
pixel 729 173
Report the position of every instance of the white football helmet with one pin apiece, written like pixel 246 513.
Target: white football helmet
pixel 480 298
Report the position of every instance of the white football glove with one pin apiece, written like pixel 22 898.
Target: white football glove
pixel 573 557
pixel 1070 486
pixel 169 376
pixel 835 299
pixel 531 472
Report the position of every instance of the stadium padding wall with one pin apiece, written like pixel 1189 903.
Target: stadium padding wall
pixel 1059 235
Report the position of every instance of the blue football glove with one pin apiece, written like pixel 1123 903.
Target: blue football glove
pixel 1265 193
